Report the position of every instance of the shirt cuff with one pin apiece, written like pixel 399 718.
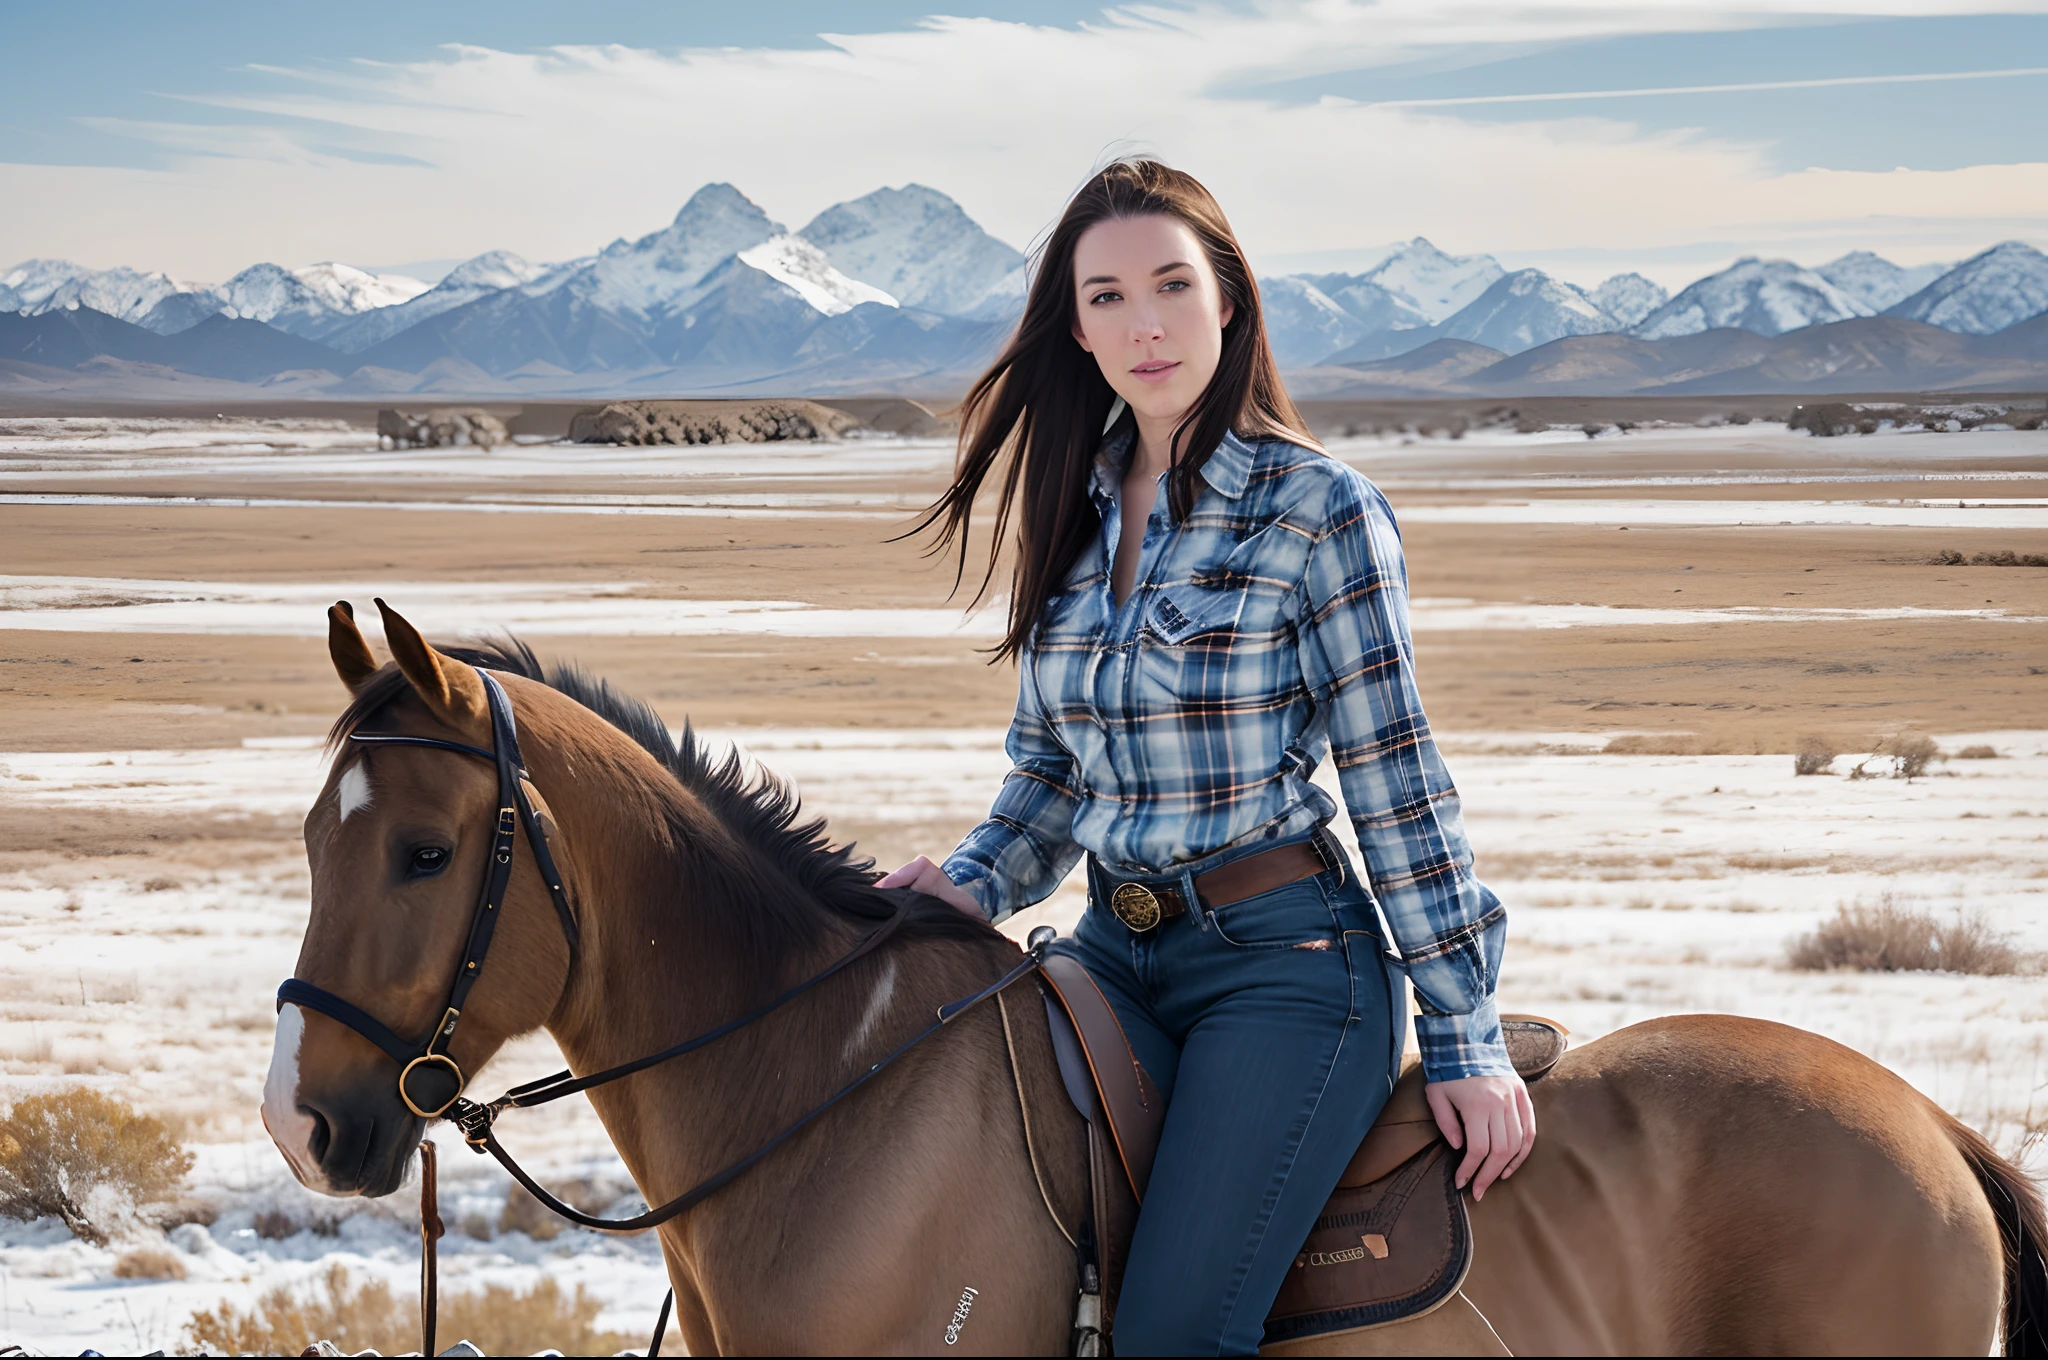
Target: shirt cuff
pixel 974 879
pixel 1468 1045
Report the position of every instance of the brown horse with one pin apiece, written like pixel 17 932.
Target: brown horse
pixel 1703 1183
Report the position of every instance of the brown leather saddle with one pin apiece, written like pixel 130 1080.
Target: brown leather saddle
pixel 1393 1242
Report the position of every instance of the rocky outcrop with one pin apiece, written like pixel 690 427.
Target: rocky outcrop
pixel 708 422
pixel 444 427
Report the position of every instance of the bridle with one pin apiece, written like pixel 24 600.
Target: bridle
pixel 429 1080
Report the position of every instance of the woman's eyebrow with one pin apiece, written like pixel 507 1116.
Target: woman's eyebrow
pixel 1169 268
pixel 1099 278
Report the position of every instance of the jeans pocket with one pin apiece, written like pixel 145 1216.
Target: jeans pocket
pixel 1295 915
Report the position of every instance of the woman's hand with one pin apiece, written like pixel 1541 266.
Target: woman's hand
pixel 1498 1126
pixel 930 879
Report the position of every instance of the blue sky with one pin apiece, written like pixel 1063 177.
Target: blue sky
pixel 1584 136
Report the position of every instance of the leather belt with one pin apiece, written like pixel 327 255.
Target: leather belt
pixel 1143 903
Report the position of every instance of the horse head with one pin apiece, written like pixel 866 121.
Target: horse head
pixel 398 842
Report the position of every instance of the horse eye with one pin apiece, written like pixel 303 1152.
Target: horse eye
pixel 427 861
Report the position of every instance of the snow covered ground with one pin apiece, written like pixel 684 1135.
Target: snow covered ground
pixel 85 604
pixel 1639 885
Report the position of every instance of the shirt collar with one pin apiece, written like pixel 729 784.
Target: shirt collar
pixel 1229 468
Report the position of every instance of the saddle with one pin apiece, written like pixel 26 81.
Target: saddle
pixel 1394 1241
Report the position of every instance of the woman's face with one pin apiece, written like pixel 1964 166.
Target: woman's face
pixel 1148 307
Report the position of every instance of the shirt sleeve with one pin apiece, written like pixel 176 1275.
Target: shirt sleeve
pixel 1026 846
pixel 1359 662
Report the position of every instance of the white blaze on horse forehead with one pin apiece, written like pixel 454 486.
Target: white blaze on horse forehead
pixel 290 1129
pixel 877 1007
pixel 352 793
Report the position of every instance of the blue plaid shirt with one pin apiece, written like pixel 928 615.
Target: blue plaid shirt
pixel 1267 629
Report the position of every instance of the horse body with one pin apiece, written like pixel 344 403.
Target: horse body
pixel 1702 1183
pixel 1710 1184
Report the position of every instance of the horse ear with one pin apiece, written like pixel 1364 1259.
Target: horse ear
pixel 452 690
pixel 353 661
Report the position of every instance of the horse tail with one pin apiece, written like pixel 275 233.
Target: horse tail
pixel 2023 1229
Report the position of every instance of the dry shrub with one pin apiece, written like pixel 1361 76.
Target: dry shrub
pixel 274 1225
pixel 525 1214
pixel 58 1151
pixel 1816 755
pixel 149 1263
pixel 1977 753
pixel 1891 937
pixel 369 1314
pixel 1909 752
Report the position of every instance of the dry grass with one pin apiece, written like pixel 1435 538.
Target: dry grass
pixel 60 1151
pixel 370 1314
pixel 1889 937
pixel 149 1263
pixel 1978 753
pixel 1816 755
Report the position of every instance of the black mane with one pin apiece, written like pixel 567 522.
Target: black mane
pixel 761 810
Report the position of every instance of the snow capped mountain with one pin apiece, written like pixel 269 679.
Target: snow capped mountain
pixel 2002 287
pixel 488 273
pixel 1766 297
pixel 277 297
pixel 1523 310
pixel 344 288
pixel 36 286
pixel 798 264
pixel 663 269
pixel 915 244
pixel 1304 324
pixel 1372 306
pixel 1431 282
pixel 1515 312
pixel 1876 282
pixel 1628 298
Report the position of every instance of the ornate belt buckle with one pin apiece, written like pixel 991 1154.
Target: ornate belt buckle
pixel 1135 905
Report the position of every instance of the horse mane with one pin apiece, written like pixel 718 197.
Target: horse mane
pixel 757 807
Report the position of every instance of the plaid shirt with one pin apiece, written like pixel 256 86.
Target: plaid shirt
pixel 1267 629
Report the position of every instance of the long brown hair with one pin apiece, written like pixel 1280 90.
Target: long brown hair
pixel 1040 407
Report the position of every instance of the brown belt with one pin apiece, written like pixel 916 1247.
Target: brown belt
pixel 1143 905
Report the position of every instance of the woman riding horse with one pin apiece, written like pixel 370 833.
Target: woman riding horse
pixel 1204 603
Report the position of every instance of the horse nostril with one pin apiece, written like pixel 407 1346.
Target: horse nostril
pixel 321 1138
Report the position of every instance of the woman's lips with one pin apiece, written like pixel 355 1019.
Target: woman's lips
pixel 1156 371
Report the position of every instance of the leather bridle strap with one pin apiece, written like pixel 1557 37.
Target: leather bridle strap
pixel 475 1121
pixel 429 1080
pixel 430 1059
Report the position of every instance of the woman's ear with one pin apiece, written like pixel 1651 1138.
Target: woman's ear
pixel 1080 337
pixel 1225 309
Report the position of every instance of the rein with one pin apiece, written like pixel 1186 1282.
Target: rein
pixel 430 1082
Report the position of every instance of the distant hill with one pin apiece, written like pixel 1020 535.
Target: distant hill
pixel 1862 354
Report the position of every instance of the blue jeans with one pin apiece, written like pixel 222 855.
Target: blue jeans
pixel 1269 1029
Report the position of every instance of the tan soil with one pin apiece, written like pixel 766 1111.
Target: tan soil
pixel 1726 686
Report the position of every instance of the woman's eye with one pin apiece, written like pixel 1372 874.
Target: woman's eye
pixel 427 861
pixel 1174 286
pixel 1107 297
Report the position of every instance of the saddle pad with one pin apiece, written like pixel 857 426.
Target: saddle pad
pixel 1380 1252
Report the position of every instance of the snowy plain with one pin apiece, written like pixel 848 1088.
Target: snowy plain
pixel 1638 886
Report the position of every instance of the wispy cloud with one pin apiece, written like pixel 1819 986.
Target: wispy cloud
pixel 553 153
pixel 1749 86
